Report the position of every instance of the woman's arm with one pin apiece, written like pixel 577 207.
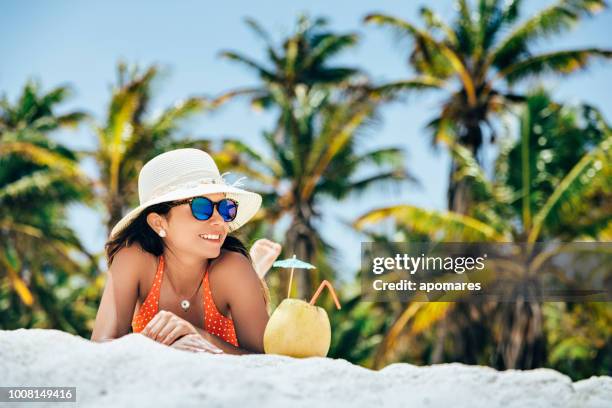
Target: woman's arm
pixel 116 309
pixel 226 347
pixel 240 286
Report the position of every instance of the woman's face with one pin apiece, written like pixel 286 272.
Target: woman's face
pixel 199 237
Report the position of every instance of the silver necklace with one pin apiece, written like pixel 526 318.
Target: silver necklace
pixel 185 303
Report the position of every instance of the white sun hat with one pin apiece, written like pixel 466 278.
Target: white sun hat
pixel 185 173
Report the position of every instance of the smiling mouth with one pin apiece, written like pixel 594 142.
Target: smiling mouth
pixel 211 237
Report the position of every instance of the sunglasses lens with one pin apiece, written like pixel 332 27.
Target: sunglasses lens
pixel 201 208
pixel 228 209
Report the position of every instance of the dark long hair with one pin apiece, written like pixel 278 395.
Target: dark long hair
pixel 140 232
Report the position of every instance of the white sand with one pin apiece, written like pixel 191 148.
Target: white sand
pixel 134 371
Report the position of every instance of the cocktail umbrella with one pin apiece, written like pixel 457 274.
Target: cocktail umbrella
pixel 292 263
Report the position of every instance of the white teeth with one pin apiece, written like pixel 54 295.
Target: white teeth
pixel 210 236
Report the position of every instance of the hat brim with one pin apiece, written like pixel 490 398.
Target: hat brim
pixel 248 204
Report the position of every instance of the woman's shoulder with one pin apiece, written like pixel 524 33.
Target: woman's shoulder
pixel 231 260
pixel 134 259
pixel 229 272
pixel 231 267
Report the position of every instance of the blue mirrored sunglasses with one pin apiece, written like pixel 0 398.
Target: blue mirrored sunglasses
pixel 202 208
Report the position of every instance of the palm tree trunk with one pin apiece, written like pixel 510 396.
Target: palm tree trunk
pixel 114 208
pixel 522 344
pixel 470 334
pixel 437 354
pixel 299 242
pixel 459 192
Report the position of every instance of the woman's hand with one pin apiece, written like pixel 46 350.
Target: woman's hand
pixel 165 327
pixel 196 343
pixel 263 253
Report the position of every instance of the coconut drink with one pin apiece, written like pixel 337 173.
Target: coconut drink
pixel 298 328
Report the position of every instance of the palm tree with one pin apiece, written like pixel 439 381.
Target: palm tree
pixel 130 137
pixel 35 111
pixel 478 59
pixel 38 179
pixel 553 183
pixel 312 148
pixel 300 61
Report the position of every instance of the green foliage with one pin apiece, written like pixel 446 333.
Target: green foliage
pixel 476 60
pixel 39 254
pixel 552 183
pixel 579 338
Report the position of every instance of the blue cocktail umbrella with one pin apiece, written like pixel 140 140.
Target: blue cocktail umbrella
pixel 292 263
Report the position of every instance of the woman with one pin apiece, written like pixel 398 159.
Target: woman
pixel 175 275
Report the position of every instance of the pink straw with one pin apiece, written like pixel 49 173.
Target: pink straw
pixel 318 292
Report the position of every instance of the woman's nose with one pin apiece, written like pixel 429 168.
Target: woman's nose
pixel 216 218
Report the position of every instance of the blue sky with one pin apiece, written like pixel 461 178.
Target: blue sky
pixel 79 43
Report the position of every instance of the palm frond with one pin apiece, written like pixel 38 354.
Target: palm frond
pixel 511 11
pixel 439 226
pixel 40 156
pixel 558 62
pixel 263 72
pixel 394 89
pixel 588 170
pixel 553 20
pixel 465 27
pixel 72 119
pixel 262 34
pixel 394 332
pixel 335 139
pixel 429 44
pixel 468 167
pixel 35 182
pixel 240 92
pixel 172 117
pixel 328 46
pixel 20 287
pixel 433 20
pixel 394 177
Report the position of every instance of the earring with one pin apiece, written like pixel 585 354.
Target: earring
pixel 162 233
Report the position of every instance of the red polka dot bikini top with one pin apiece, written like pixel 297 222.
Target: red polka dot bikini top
pixel 214 322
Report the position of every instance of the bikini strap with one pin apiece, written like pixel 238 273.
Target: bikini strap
pixel 206 293
pixel 160 265
pixel 157 279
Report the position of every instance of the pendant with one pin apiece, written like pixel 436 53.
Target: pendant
pixel 185 304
